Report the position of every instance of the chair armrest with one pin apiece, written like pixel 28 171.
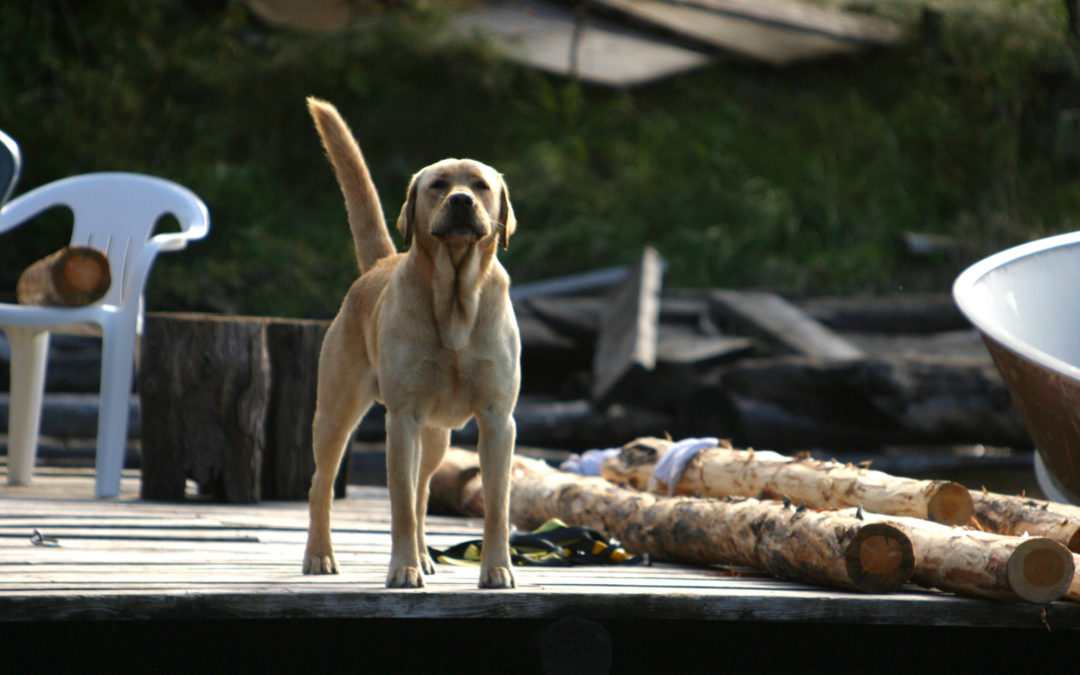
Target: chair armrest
pixel 172 241
pixel 168 241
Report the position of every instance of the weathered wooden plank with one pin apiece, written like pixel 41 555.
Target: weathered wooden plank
pixel 772 43
pixel 628 328
pixel 559 41
pixel 802 16
pixel 780 322
pixel 93 578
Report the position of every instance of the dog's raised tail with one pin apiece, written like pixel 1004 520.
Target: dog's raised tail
pixel 366 220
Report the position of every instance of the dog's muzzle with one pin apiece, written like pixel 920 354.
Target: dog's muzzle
pixel 459 218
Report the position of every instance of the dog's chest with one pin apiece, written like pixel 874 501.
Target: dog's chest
pixel 454 388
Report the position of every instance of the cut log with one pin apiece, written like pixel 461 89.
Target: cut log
pixel 724 472
pixel 293 347
pixel 1073 592
pixel 797 402
pixel 229 402
pixel 1018 516
pixel 776 537
pixel 903 313
pixel 71 277
pixel 817 547
pixel 982 564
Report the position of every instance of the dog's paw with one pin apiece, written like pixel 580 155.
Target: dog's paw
pixel 427 564
pixel 497 577
pixel 405 577
pixel 320 563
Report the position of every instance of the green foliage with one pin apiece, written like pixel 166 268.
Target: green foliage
pixel 800 179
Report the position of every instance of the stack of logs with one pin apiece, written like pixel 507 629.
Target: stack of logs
pixel 821 522
pixel 610 357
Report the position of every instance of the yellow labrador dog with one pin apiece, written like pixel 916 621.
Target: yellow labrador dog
pixel 432 335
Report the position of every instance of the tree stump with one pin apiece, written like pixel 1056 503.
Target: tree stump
pixel 228 402
pixel 204 386
pixel 288 462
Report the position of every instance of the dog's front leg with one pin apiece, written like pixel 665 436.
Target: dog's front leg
pixel 434 442
pixel 496 447
pixel 402 473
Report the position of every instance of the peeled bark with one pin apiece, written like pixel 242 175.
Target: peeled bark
pixel 820 547
pixel 71 277
pixel 795 543
pixel 1006 514
pixel 723 472
pixel 1073 592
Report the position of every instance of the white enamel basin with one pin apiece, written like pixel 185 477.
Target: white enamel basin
pixel 1026 302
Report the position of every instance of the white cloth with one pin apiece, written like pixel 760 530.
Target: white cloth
pixel 588 463
pixel 671 466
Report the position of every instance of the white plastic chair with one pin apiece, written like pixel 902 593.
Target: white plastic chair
pixel 116 213
pixel 10 165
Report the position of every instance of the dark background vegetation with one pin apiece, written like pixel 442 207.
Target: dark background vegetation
pixel 800 179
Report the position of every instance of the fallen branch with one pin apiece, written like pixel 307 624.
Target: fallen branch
pixel 1006 514
pixel 723 472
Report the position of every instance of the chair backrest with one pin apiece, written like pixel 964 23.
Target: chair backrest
pixel 10 165
pixel 117 213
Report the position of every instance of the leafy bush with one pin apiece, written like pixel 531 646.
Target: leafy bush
pixel 800 179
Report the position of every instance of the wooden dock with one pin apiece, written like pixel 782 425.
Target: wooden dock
pixel 136 583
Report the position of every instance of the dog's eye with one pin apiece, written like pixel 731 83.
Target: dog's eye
pixel 439 184
pixel 480 186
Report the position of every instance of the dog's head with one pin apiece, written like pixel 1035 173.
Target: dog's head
pixel 457 201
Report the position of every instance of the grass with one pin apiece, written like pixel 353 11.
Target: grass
pixel 800 179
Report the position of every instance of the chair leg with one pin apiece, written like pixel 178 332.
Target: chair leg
pixel 114 405
pixel 29 353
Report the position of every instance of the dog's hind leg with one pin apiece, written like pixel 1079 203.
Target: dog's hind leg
pixel 433 444
pixel 337 413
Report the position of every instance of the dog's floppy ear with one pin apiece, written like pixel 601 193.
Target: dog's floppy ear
pixel 506 214
pixel 406 221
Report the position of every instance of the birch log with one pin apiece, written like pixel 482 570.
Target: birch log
pixel 983 564
pixel 818 547
pixel 1073 592
pixel 723 472
pixel 1006 514
pixel 71 277
pixel 764 535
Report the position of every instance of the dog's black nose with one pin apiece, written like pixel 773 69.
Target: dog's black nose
pixel 461 200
